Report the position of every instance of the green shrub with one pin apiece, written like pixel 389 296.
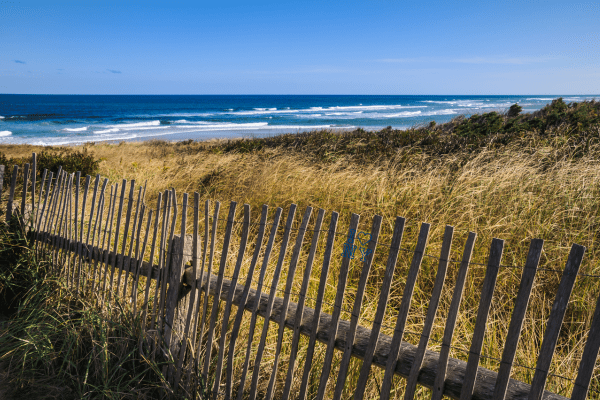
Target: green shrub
pixel 70 161
pixel 514 110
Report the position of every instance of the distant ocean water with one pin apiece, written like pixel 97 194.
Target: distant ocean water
pixel 72 119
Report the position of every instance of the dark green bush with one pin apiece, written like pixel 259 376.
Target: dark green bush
pixel 72 161
pixel 514 110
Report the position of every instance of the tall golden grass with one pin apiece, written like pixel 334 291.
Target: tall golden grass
pixel 514 193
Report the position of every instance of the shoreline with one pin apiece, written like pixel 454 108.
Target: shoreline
pixel 72 120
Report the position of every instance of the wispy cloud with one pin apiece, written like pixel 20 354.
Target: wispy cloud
pixel 471 60
pixel 402 60
pixel 114 71
pixel 502 60
pixel 20 62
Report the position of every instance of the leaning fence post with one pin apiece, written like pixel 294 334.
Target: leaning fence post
pixel 24 197
pixel 177 300
pixel 1 180
pixel 561 301
pixel 588 360
pixel 178 297
pixel 11 195
pixel 33 182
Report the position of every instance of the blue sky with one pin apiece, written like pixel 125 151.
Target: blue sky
pixel 300 47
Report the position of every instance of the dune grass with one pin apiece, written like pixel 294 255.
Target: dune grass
pixel 541 181
pixel 56 345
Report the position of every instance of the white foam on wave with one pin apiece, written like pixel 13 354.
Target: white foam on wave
pixel 540 98
pixel 447 111
pixel 404 114
pixel 76 129
pixel 1 117
pixel 5 133
pixel 135 125
pixel 108 130
pixel 373 108
pixel 460 103
pixel 203 125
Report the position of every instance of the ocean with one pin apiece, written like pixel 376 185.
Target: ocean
pixel 73 119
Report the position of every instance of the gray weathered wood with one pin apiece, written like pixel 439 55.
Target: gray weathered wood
pixel 177 301
pixel 130 262
pixel 116 242
pixel 83 204
pixel 358 299
pixel 113 201
pixel 63 223
pixel 337 308
pixel 68 222
pixel 89 227
pixel 485 302
pixel 149 272
pixel 11 194
pixel 272 295
pixel 436 293
pixel 215 308
pixel 318 305
pixel 58 214
pixel 33 184
pixel 126 232
pixel 46 180
pixel 95 229
pixel 381 306
pixel 205 315
pixel 168 259
pixel 516 321
pixel 588 359
pixel 45 224
pixel 59 229
pixel 209 268
pixel 301 300
pixel 37 209
pixel 286 299
pixel 411 279
pixel 24 193
pixel 563 294
pixel 52 209
pixel 254 310
pixel 191 304
pixel 176 306
pixel 227 310
pixel 93 255
pixel 442 368
pixel 240 312
pixel 456 368
pixel 49 223
pixel 161 269
pixel 137 226
pixel 1 180
pixel 77 183
pixel 65 243
pixel 197 314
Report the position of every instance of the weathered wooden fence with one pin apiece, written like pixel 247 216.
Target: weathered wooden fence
pixel 182 274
